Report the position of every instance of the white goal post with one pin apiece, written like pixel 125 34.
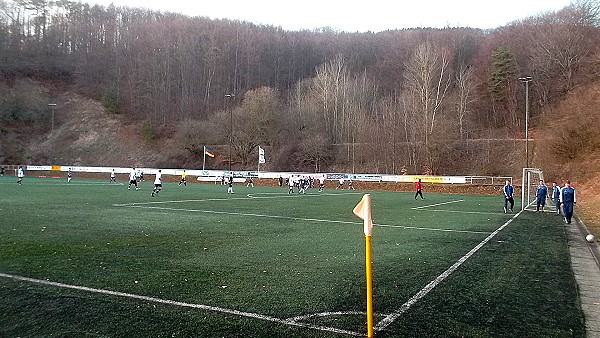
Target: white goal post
pixel 529 182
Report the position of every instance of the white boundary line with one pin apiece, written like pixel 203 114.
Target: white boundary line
pixel 57 184
pixel 389 319
pixel 300 219
pixel 325 314
pixel 435 205
pixel 291 321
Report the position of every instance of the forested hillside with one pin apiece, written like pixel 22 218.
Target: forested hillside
pixel 444 101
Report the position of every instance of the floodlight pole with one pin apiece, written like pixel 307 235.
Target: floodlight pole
pixel 526 80
pixel 53 105
pixel 231 96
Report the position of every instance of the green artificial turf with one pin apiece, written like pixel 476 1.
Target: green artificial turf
pixel 266 253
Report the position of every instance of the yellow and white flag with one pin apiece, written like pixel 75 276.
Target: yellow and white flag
pixel 363 211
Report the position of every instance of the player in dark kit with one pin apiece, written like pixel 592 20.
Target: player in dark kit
pixel 568 198
pixel 556 196
pixel 541 195
pixel 508 191
pixel 419 188
pixel 230 185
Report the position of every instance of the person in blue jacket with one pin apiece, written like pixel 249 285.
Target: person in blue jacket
pixel 541 194
pixel 556 196
pixel 568 198
pixel 508 191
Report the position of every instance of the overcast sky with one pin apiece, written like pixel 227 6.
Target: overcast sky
pixel 352 16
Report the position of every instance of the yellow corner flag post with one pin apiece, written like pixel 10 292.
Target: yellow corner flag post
pixel 363 211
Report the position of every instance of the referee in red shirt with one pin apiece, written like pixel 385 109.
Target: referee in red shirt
pixel 419 192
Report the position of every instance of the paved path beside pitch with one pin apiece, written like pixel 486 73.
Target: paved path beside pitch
pixel 586 266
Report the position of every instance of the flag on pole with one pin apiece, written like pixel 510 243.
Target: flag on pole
pixel 363 211
pixel 208 152
pixel 261 155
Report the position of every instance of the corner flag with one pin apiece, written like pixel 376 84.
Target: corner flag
pixel 363 211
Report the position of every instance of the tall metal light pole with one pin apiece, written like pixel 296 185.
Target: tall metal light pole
pixel 230 96
pixel 526 80
pixel 53 105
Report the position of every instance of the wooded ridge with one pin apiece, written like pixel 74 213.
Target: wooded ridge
pixel 388 102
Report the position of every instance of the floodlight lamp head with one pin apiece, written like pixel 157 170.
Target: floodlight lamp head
pixel 526 79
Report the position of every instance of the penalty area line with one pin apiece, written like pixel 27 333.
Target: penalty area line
pixel 435 205
pixel 385 322
pixel 248 196
pixel 252 315
pixel 301 219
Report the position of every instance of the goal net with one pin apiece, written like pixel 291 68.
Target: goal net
pixel 529 183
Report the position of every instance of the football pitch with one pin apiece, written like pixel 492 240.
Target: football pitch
pixel 91 258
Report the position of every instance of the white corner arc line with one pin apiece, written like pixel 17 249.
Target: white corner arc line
pixel 326 314
pixel 435 205
pixel 385 322
pixel 183 304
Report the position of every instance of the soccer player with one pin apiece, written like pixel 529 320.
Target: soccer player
pixel 157 184
pixel 508 191
pixel 183 176
pixel 133 180
pixel 321 183
pixel 419 188
pixel 568 198
pixel 69 175
pixel 341 186
pixel 113 177
pixel 1 171
pixel 230 185
pixel 20 175
pixel 351 185
pixel 302 185
pixel 541 194
pixel 280 181
pixel 291 185
pixel 249 182
pixel 556 196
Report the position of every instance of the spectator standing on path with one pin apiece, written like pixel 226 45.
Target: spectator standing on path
pixel 419 188
pixel 556 196
pixel 568 198
pixel 541 194
pixel 508 191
